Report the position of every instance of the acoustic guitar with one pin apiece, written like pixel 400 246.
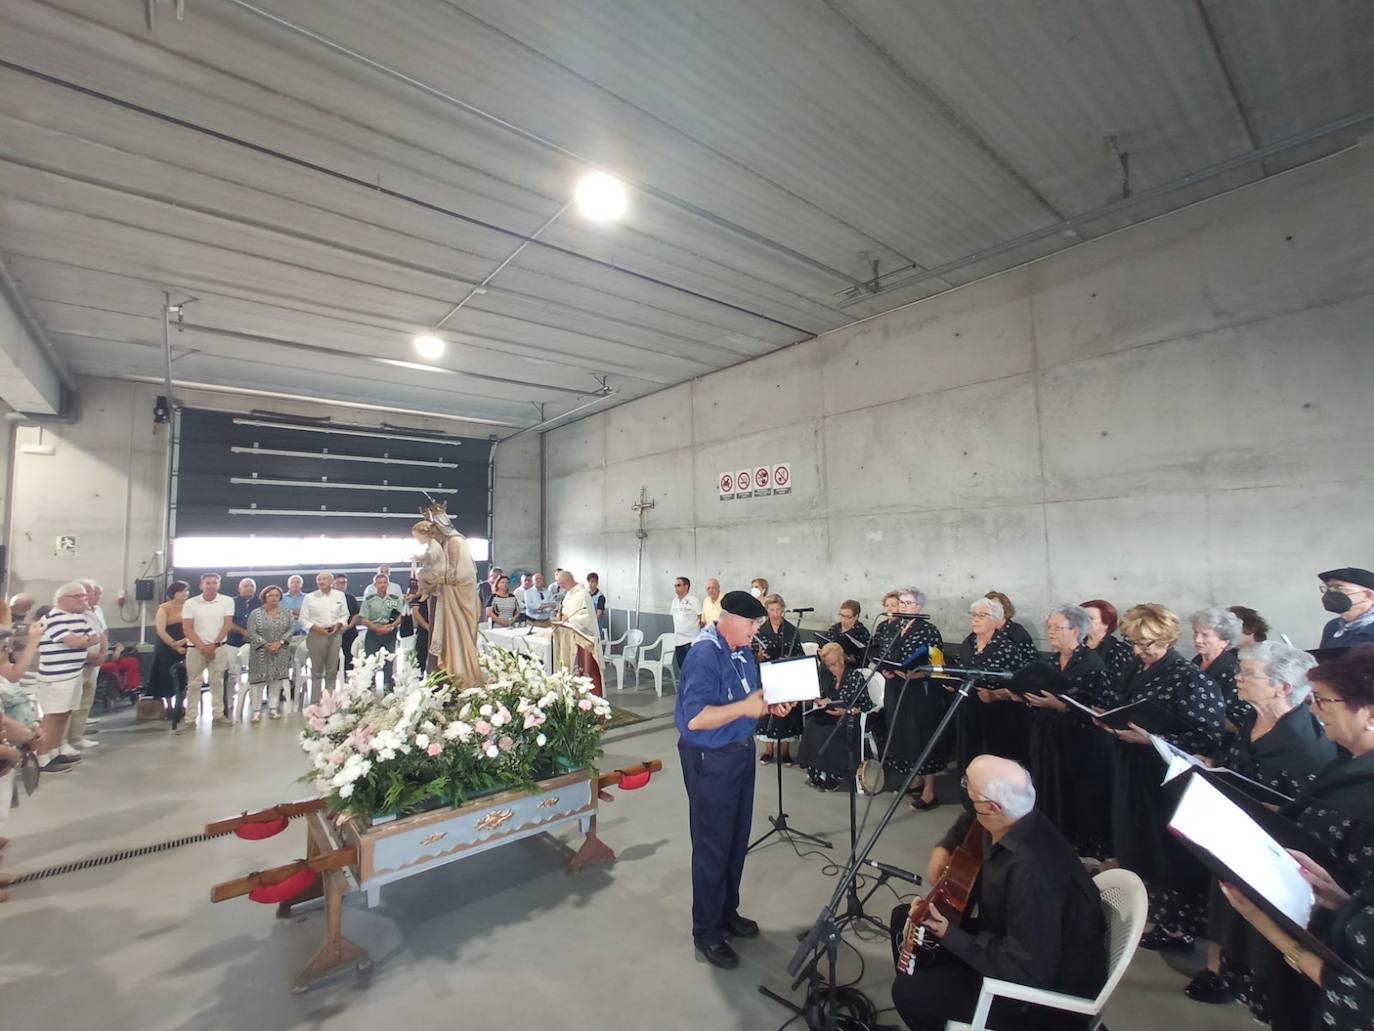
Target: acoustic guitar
pixel 951 891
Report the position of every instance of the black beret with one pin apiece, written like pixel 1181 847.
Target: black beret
pixel 742 603
pixel 1351 575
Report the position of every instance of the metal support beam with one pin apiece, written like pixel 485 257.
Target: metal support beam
pixel 33 377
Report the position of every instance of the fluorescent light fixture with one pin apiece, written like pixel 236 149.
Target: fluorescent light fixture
pixel 302 552
pixel 600 197
pixel 430 347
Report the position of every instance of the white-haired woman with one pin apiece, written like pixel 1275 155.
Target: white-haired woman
pixel 1216 635
pixel 996 723
pixel 913 706
pixel 830 753
pixel 1069 759
pixel 1281 745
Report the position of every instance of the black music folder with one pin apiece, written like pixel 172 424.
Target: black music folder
pixel 1147 714
pixel 1239 851
pixel 916 658
pixel 1040 678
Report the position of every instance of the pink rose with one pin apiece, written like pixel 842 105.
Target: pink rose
pixel 482 727
pixel 585 705
pixel 435 748
pixel 505 744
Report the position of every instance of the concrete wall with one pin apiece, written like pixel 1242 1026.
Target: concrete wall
pixel 105 482
pixel 515 517
pixel 1177 412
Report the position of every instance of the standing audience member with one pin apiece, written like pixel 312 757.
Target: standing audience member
pixel 237 644
pixel 66 636
pixel 20 607
pixel 419 620
pixel 539 604
pixel 393 588
pixel 487 587
pixel 324 614
pixel 381 614
pixel 350 633
pixel 758 587
pixel 710 605
pixel 1349 593
pixel 205 619
pixel 269 654
pixel 526 582
pixel 292 600
pixel 686 613
pixel 504 607
pixel 95 655
pixel 170 647
pixel 598 602
pixel 19 712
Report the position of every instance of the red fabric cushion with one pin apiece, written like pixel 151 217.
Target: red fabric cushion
pixel 257 830
pixel 284 891
pixel 636 780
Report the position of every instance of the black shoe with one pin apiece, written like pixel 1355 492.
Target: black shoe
pixel 1207 986
pixel 720 955
pixel 766 758
pixel 56 767
pixel 64 760
pixel 1158 941
pixel 741 926
pixel 787 761
pixel 920 805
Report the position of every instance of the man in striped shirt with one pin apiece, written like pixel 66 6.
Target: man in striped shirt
pixel 67 634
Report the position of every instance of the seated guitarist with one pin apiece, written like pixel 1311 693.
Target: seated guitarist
pixel 1034 915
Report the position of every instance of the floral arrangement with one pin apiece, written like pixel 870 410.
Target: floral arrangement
pixel 429 744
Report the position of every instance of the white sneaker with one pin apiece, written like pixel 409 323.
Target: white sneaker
pixel 86 742
pixel 67 749
pixel 92 722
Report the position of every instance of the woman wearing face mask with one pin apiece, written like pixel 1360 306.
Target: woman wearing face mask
pixel 1280 744
pixel 758 587
pixel 1177 881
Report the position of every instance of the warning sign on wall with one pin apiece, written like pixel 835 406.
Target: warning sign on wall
pixel 744 483
pixel 763 481
pixel 727 486
pixel 782 478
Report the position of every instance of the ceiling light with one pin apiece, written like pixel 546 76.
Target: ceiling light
pixel 600 197
pixel 429 347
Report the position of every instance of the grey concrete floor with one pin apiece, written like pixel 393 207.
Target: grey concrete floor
pixel 505 939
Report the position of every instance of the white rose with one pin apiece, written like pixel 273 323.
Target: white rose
pixel 541 741
pixel 493 751
pixel 485 710
pixel 422 740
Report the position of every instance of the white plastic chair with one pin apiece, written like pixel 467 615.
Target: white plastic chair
pixel 1125 906
pixel 655 667
pixel 877 685
pixel 632 639
pixel 810 648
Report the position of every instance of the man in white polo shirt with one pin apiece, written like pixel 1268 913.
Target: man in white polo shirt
pixel 324 614
pixel 206 621
pixel 66 637
pixel 686 612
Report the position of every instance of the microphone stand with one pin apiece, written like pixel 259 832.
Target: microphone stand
pixel 823 940
pixel 779 821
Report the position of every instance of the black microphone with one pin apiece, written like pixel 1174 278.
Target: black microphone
pixel 800 611
pixel 908 615
pixel 955 671
pixel 894 871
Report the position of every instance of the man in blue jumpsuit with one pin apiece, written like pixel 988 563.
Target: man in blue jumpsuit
pixel 719 704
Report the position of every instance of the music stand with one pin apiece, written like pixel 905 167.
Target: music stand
pixel 779 821
pixel 824 936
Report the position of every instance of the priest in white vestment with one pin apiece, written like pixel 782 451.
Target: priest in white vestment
pixel 575 642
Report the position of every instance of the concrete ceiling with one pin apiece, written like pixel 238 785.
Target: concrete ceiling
pixel 329 179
